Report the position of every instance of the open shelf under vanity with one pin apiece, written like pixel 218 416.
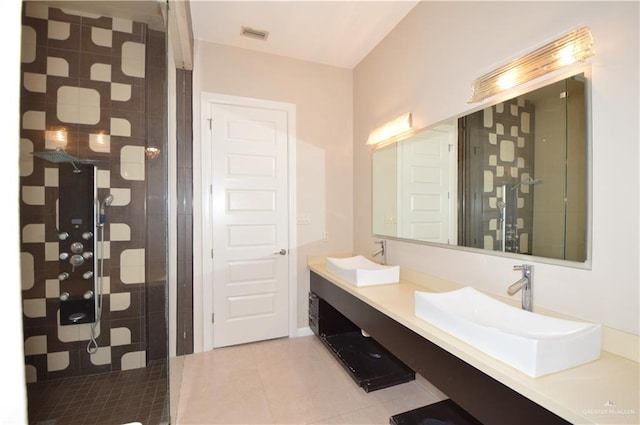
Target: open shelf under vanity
pixel 369 364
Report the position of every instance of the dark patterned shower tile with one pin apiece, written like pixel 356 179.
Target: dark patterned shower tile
pixel 135 102
pixel 58 15
pixel 136 304
pixel 72 59
pixel 39 63
pixel 88 46
pixel 72 369
pixel 88 59
pixel 72 42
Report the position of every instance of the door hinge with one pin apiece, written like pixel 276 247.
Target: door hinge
pixel 210 123
pixel 184 335
pixel 213 317
pixel 212 254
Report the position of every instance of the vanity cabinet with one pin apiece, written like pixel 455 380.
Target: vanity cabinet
pixel 482 396
pixel 369 364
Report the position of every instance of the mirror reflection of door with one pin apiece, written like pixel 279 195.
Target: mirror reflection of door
pixel 428 185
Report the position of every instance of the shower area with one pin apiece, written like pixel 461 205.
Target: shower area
pixel 94 215
pixel 522 172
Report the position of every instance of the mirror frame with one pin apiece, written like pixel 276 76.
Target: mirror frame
pixel 552 78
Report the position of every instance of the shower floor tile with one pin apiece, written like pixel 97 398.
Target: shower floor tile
pixel 138 395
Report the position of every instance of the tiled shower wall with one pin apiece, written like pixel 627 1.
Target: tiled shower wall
pixel 500 150
pixel 91 76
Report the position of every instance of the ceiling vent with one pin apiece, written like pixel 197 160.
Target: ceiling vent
pixel 254 33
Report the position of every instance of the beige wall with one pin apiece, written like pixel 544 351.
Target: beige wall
pixel 426 65
pixel 323 98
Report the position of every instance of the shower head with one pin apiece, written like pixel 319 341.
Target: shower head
pixel 529 181
pixel 106 202
pixel 59 156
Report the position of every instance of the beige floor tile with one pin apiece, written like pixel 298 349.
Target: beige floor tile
pixel 284 381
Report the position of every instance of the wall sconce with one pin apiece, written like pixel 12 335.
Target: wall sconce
pixel 391 131
pixel 55 139
pixel 151 152
pixel 566 50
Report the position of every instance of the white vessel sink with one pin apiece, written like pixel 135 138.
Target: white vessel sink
pixel 361 271
pixel 532 343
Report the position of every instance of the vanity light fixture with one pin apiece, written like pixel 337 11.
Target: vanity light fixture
pixel 391 131
pixel 573 47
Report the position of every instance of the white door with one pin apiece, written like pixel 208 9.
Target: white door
pixel 428 185
pixel 249 224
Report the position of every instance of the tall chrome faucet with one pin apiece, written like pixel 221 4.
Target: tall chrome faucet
pixel 524 285
pixel 382 251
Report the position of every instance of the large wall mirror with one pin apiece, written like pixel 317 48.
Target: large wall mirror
pixel 510 179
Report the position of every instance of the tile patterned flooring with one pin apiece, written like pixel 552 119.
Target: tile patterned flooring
pixel 114 398
pixel 285 381
pixel 282 381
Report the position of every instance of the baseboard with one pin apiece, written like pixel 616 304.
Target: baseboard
pixel 306 331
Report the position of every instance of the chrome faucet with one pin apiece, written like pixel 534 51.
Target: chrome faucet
pixel 382 251
pixel 524 285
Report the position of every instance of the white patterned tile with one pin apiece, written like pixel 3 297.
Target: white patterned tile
pixel 57 361
pixel 30 373
pixel 35 308
pixel 51 177
pixel 28 51
pixel 51 251
pixel 57 30
pixel 120 127
pixel 100 72
pixel 103 179
pixel 26 157
pixel 36 83
pixel 52 288
pixel 78 105
pixel 133 360
pixel 101 37
pixel 58 67
pixel 74 333
pixel 119 232
pixel 120 336
pixel 122 25
pixel 100 142
pixel 27 270
pixel 33 195
pixel 120 301
pixel 33 233
pixel 132 266
pixel 35 345
pixel 101 357
pixel 133 59
pixel 132 164
pixel 121 196
pixel 120 92
pixel 33 120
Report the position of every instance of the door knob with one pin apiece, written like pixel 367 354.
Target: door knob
pixel 281 252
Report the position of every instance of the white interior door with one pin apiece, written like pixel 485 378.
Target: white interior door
pixel 428 185
pixel 249 224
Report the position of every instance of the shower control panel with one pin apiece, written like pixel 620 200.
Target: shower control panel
pixel 76 243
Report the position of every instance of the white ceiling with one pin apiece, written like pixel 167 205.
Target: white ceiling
pixel 339 32
pixel 333 32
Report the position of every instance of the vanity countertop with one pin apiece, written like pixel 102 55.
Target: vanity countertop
pixel 604 391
